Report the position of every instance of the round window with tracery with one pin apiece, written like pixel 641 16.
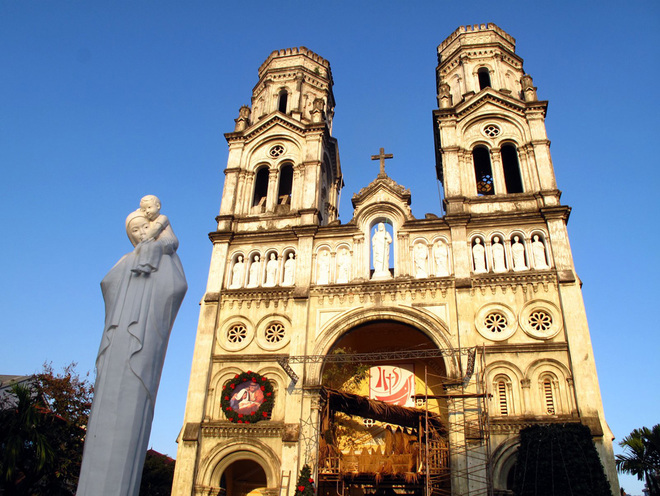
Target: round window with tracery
pixel 276 151
pixel 540 321
pixel 275 333
pixel 495 322
pixel 236 334
pixel 492 131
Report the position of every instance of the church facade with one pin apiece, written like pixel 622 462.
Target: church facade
pixel 390 354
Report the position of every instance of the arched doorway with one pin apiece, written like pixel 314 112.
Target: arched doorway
pixel 243 478
pixel 383 427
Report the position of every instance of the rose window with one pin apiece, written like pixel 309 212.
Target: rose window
pixel 274 333
pixel 495 322
pixel 237 333
pixel 492 131
pixel 540 321
pixel 276 151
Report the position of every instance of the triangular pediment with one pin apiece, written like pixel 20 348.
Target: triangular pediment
pixel 271 123
pixel 490 99
pixel 382 191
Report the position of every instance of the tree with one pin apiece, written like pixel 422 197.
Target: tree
pixel 642 457
pixel 157 475
pixel 305 486
pixel 42 433
pixel 559 459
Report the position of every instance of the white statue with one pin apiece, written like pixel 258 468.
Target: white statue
pixel 323 267
pixel 420 258
pixel 380 248
pixel 538 249
pixel 289 271
pixel 479 256
pixel 440 255
pixel 271 271
pixel 148 254
pixel 140 308
pixel 255 270
pixel 498 255
pixel 343 266
pixel 518 254
pixel 237 273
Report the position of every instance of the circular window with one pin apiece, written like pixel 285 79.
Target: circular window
pixel 274 333
pixel 237 334
pixel 540 319
pixel 492 131
pixel 276 151
pixel 496 322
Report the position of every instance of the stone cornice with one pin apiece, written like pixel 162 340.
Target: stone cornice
pixel 220 428
pixel 384 182
pixel 525 348
pixel 559 212
pixel 515 279
pixel 374 291
pixel 513 425
pixel 271 120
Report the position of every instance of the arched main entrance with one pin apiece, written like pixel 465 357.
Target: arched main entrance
pixel 243 478
pixel 383 426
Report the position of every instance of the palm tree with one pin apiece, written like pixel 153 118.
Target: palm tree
pixel 24 447
pixel 642 457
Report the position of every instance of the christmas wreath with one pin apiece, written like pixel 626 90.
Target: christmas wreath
pixel 247 398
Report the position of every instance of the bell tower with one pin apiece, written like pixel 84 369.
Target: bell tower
pixel 491 144
pixel 283 167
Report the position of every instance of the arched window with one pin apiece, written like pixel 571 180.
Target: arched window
pixel 282 101
pixel 484 78
pixel 483 171
pixel 260 187
pixel 502 397
pixel 286 180
pixel 511 168
pixel 548 396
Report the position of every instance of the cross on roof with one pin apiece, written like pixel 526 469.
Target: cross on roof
pixel 382 156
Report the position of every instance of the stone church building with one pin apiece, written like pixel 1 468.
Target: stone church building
pixel 391 354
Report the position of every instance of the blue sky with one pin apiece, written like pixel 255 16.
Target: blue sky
pixel 104 102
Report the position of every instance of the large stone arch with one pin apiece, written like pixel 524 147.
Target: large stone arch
pixel 222 456
pixel 425 322
pixel 503 459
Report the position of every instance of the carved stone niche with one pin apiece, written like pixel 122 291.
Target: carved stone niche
pixel 291 433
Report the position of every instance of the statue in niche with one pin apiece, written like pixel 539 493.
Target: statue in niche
pixel 380 247
pixel 440 256
pixel 498 255
pixel 518 254
pixel 479 256
pixel 289 271
pixel 343 266
pixel 420 258
pixel 237 273
pixel 323 268
pixel 255 269
pixel 140 308
pixel 271 271
pixel 538 249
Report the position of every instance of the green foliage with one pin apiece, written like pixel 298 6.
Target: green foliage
pixel 556 460
pixel 42 434
pixel 157 475
pixel 305 486
pixel 642 457
pixel 344 376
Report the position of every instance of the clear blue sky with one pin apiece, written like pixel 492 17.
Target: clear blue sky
pixel 103 102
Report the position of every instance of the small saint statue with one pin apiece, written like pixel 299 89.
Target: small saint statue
pixel 237 273
pixel 289 271
pixel 479 256
pixel 440 256
pixel 323 268
pixel 271 271
pixel 255 269
pixel 538 249
pixel 518 254
pixel 343 266
pixel 498 255
pixel 420 258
